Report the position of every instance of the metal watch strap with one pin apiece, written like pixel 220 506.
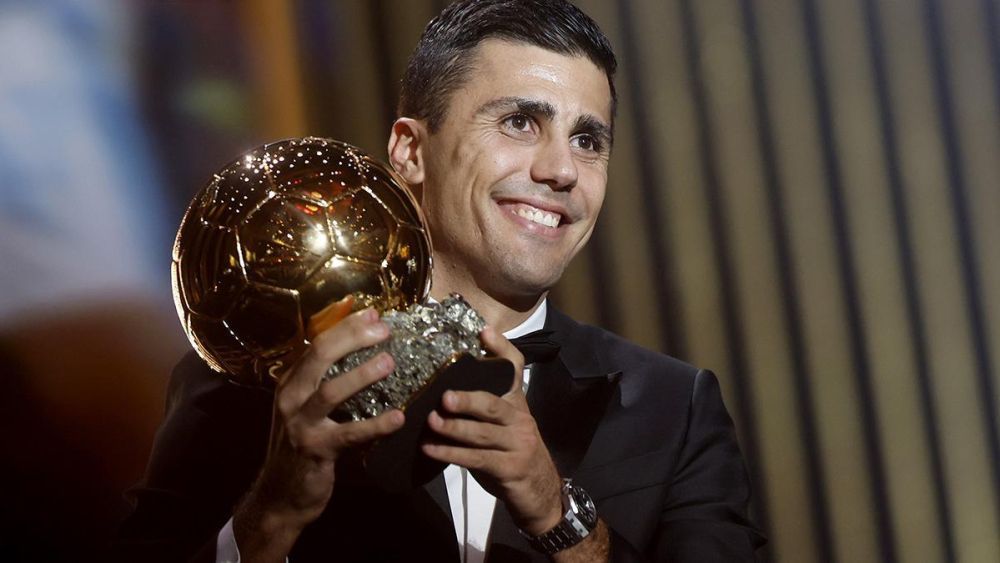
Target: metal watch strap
pixel 570 531
pixel 561 537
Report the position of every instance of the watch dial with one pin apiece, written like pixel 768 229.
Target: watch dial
pixel 588 512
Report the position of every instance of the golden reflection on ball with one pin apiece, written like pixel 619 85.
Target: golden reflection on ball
pixel 281 233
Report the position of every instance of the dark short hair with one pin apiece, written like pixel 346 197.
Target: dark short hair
pixel 443 57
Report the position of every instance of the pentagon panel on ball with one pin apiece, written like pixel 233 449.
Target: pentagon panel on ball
pixel 281 233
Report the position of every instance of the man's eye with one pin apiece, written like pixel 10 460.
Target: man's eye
pixel 587 143
pixel 519 122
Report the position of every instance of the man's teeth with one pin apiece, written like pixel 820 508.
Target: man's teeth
pixel 539 216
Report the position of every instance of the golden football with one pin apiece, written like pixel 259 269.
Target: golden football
pixel 280 234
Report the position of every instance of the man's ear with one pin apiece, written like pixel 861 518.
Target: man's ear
pixel 406 145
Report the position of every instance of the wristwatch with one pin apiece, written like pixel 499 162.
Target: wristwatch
pixel 578 521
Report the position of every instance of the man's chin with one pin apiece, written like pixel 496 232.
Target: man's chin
pixel 527 284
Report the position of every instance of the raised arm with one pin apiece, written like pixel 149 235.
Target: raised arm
pixel 210 453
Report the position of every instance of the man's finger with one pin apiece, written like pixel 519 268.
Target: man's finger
pixel 356 331
pixel 333 392
pixel 350 434
pixel 481 405
pixel 470 432
pixel 469 458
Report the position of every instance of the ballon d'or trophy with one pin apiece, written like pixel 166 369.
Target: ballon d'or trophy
pixel 291 237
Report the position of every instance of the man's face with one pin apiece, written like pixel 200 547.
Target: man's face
pixel 515 175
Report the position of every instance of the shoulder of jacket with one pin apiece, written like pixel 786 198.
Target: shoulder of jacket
pixel 617 350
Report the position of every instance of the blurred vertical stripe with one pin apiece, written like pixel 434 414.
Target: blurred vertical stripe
pixel 855 504
pixel 912 458
pixel 270 38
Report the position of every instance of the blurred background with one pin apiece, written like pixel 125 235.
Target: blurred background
pixel 802 198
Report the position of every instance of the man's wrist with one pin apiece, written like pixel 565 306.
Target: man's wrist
pixel 553 518
pixel 551 511
pixel 578 520
pixel 263 534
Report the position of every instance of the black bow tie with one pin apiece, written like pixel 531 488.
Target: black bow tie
pixel 537 346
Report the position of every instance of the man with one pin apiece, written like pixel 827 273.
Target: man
pixel 504 136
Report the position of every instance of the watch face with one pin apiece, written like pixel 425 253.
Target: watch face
pixel 583 507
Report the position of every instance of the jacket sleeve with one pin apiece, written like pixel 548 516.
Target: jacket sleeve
pixel 705 511
pixel 206 454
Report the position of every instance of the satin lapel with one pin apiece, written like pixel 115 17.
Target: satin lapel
pixel 506 544
pixel 436 489
pixel 432 532
pixel 568 397
pixel 567 411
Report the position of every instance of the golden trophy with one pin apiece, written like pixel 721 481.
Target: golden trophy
pixel 292 236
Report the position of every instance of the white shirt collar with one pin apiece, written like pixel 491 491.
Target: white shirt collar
pixel 534 322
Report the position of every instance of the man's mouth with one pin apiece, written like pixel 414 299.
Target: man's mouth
pixel 537 215
pixel 533 214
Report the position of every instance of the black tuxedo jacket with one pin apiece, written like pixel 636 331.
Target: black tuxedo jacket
pixel 646 435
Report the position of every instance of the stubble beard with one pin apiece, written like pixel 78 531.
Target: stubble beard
pixel 502 275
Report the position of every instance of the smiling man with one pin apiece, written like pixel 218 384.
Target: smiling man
pixel 512 178
pixel 613 453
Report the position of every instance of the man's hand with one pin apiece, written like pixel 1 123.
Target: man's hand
pixel 499 442
pixel 297 479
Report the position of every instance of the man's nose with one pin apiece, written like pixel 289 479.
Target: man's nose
pixel 555 166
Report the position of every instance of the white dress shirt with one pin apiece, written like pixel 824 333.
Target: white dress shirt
pixel 471 506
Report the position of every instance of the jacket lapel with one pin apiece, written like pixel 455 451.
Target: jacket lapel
pixel 568 397
pixel 428 529
pixel 438 492
pixel 567 410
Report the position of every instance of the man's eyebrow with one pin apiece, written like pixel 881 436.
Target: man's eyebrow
pixel 523 105
pixel 593 125
pixel 587 123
